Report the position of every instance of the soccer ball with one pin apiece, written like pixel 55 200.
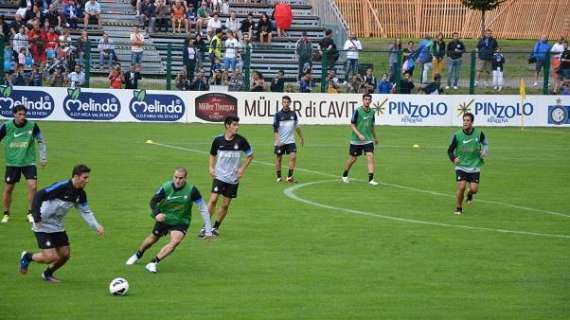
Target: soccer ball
pixel 119 287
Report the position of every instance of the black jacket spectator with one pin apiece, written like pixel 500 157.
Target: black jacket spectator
pixel 486 47
pixel 455 49
pixel 278 85
pixel 132 79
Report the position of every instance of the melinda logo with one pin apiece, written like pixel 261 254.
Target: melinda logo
pixel 91 105
pixel 39 104
pixel 215 107
pixel 156 107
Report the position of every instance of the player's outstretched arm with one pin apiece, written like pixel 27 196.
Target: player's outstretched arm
pixel 41 145
pixel 89 218
pixel 301 138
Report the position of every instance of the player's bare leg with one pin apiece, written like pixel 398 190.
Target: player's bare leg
pixel 459 196
pixel 7 201
pixel 473 188
pixel 347 165
pixel 32 189
pixel 292 165
pixel 148 242
pixel 371 168
pixel 278 160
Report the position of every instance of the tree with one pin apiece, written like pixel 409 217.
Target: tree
pixel 483 6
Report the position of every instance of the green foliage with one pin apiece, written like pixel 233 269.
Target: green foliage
pixel 482 5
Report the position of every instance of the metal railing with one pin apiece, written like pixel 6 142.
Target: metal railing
pixel 331 18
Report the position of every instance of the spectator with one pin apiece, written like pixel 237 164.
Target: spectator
pixel 137 43
pixel 352 46
pixel 200 83
pixel 38 41
pixel 19 78
pixel 435 86
pixel 455 50
pixel 116 78
pixel 77 77
pixel 370 82
pixel 51 45
pixel 328 49
pixel 106 51
pixel 9 57
pixel 565 62
pixel 20 40
pixel 232 23
pixel 214 24
pixel 258 82
pixel 189 57
pixel 147 17
pixel 230 55
pixel 406 84
pixel 70 14
pixel 178 17
pixel 306 83
pixel 498 69
pixel 181 82
pixel 203 14
pixel 22 56
pixel 81 46
pixel 226 8
pixel 304 52
pixel 565 88
pixel 246 48
pixel 16 24
pixel 556 51
pixel 131 78
pixel 92 10
pixel 4 28
pixel 218 78
pixel 246 26
pixel 385 86
pixel 541 48
pixel 58 78
pixel 486 48
pixel 191 18
pixel 236 81
pixel 36 77
pixel 355 85
pixel 53 17
pixel 201 48
pixel 215 50
pixel 394 50
pixel 278 83
pixel 333 84
pixel 264 30
pixel 161 20
pixel 425 57
pixel 438 53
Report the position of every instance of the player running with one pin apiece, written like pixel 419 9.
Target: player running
pixel 226 168
pixel 285 124
pixel 20 156
pixel 172 210
pixel 467 150
pixel 49 208
pixel 363 139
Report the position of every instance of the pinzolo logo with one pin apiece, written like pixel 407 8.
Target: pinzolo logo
pixel 91 105
pixel 156 107
pixel 39 104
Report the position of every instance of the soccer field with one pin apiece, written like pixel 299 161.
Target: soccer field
pixel 317 249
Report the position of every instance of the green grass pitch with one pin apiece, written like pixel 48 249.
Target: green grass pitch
pixel 327 250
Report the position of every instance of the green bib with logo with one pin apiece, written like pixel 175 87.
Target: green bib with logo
pixel 19 145
pixel 177 205
pixel 469 148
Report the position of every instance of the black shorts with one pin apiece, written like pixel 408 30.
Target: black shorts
pixel 51 240
pixel 461 175
pixel 357 149
pixel 13 174
pixel 161 229
pixel 228 190
pixel 285 149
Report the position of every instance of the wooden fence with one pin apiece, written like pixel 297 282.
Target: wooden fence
pixel 514 19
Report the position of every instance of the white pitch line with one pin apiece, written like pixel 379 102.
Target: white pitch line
pixel 289 192
pixel 393 185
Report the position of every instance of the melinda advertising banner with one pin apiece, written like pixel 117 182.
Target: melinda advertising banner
pixel 69 104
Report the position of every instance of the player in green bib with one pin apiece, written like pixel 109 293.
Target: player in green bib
pixel 362 140
pixel 467 150
pixel 172 211
pixel 19 136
